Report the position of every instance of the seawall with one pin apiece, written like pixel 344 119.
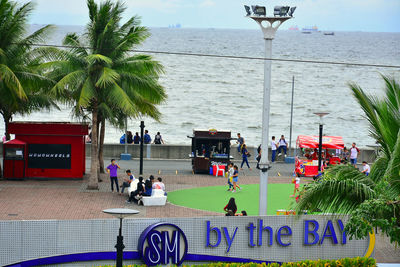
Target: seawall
pixel 183 152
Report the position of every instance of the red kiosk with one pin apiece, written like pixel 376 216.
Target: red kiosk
pixel 45 150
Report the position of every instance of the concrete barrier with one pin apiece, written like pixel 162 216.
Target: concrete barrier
pixel 183 151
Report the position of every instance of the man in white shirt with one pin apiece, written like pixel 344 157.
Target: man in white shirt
pixel 282 145
pixel 159 184
pixel 354 154
pixel 273 149
pixel 366 169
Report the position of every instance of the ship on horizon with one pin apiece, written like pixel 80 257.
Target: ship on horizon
pixel 309 29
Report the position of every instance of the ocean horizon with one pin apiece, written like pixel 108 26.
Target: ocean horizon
pixel 226 93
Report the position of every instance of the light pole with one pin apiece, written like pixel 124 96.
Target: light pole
pixel 141 147
pixel 321 125
pixel 120 214
pixel 269 26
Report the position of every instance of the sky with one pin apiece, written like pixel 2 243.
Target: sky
pixel 339 15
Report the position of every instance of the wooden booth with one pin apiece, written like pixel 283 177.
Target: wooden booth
pixel 210 151
pixel 45 150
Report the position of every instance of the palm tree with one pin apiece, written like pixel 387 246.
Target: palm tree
pixel 98 74
pixel 374 200
pixel 22 86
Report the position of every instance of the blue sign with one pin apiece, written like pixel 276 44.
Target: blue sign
pixel 163 243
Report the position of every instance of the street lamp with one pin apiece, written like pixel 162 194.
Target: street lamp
pixel 269 26
pixel 321 125
pixel 120 213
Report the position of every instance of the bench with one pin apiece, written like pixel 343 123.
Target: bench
pixel 133 186
pixel 157 198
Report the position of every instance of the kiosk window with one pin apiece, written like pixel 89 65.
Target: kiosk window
pixel 49 156
pixel 14 153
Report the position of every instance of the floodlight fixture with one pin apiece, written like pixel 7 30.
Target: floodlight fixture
pixel 291 11
pixel 281 11
pixel 259 10
pixel 248 11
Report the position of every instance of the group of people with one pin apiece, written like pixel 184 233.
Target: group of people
pixel 276 147
pixel 136 139
pixel 231 209
pixel 144 188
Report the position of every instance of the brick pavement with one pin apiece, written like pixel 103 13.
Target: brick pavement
pixel 69 200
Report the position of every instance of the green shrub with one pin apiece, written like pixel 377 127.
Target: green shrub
pixel 346 262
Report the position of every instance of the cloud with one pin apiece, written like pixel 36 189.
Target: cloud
pixel 207 3
pixel 165 6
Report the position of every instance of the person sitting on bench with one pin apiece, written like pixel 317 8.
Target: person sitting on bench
pixel 138 192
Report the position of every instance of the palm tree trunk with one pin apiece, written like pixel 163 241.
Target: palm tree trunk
pixel 101 144
pixel 94 165
pixel 7 119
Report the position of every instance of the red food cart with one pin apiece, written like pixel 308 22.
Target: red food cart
pixel 308 166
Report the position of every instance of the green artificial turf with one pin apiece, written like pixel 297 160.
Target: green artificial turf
pixel 214 198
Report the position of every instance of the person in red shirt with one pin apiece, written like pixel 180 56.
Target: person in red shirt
pixel 314 155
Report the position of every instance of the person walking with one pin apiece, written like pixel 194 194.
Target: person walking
pixel 158 139
pixel 354 151
pixel 282 145
pixel 258 157
pixel 245 155
pixel 235 179
pixel 240 142
pixel 231 170
pixel 231 206
pixel 273 149
pixel 146 137
pixel 296 182
pixel 112 170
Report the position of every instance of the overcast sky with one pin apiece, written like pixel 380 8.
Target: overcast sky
pixel 343 15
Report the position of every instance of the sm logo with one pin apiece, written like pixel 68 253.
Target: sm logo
pixel 163 243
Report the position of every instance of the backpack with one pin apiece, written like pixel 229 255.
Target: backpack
pixel 157 139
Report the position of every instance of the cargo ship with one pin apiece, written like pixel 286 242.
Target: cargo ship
pixel 309 29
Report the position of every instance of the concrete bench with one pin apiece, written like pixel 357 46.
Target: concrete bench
pixel 157 198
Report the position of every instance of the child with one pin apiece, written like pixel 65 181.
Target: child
pixel 231 170
pixel 366 169
pixel 127 180
pixel 242 213
pixel 235 179
pixel 112 169
pixel 296 182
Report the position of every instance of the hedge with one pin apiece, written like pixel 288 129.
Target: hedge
pixel 346 262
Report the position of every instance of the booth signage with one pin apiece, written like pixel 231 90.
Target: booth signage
pixel 213 131
pixel 49 156
pixel 156 241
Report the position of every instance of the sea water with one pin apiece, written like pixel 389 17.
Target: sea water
pixel 226 94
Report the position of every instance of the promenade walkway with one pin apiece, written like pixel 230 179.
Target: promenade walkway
pixel 70 200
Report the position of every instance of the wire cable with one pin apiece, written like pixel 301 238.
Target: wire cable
pixel 237 57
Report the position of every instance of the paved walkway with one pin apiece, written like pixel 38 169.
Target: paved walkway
pixel 70 200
